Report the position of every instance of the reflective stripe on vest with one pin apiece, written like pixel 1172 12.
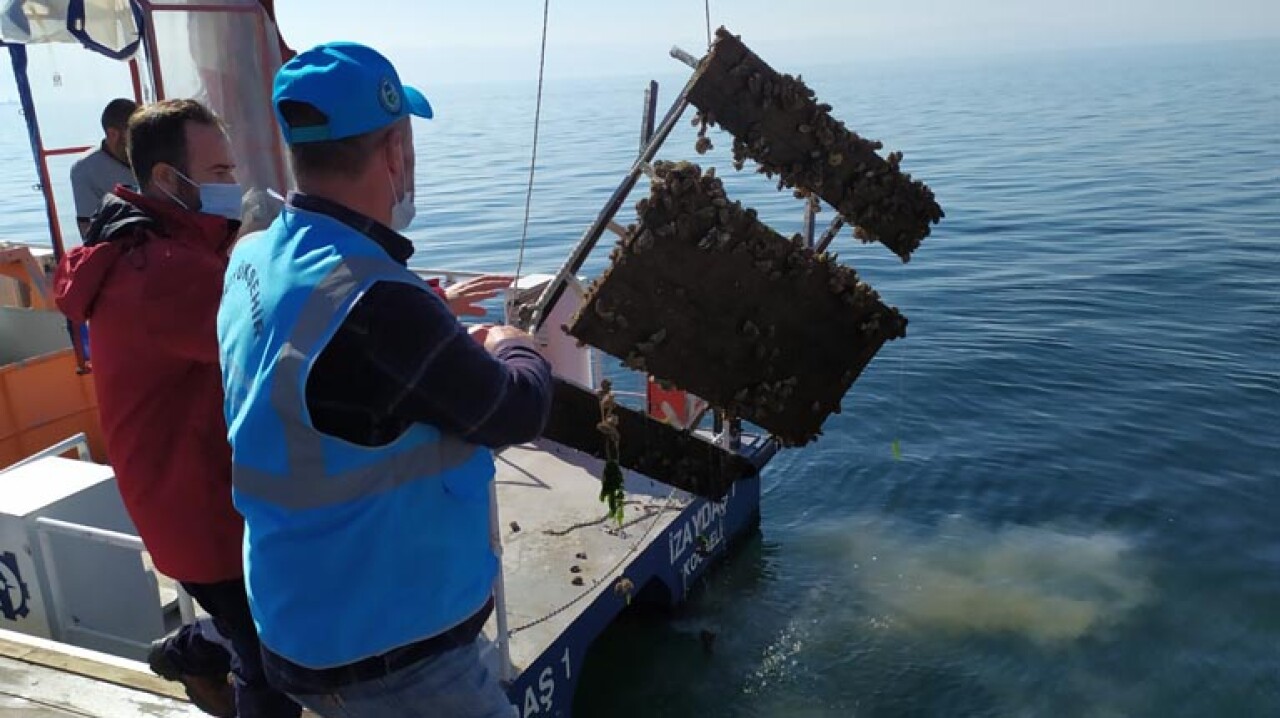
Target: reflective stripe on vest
pixel 303 444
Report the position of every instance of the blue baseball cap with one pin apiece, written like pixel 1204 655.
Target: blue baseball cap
pixel 353 85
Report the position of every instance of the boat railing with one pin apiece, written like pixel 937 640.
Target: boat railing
pixel 46 526
pixel 78 442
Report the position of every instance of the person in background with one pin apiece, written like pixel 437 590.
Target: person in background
pixel 149 279
pixel 362 418
pixel 99 170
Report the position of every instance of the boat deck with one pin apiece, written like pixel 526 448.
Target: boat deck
pixel 565 555
pixel 569 572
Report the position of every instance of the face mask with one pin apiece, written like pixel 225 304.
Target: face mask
pixel 403 211
pixel 218 198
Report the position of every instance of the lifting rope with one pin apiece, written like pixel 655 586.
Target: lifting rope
pixel 537 124
pixel 533 159
pixel 706 4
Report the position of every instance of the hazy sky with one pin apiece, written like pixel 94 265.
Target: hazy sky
pixel 436 42
pixel 488 39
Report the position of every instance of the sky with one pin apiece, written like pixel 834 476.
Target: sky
pixel 438 42
pixel 498 39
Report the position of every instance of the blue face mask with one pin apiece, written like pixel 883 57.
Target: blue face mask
pixel 219 198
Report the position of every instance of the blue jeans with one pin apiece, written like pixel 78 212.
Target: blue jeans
pixel 453 684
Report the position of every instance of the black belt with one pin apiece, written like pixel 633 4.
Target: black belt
pixel 290 677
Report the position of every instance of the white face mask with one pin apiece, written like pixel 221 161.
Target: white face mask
pixel 223 199
pixel 404 210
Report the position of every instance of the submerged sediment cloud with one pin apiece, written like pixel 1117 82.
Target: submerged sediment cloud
pixel 1048 584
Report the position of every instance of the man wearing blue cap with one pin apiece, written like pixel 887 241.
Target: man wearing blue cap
pixel 362 415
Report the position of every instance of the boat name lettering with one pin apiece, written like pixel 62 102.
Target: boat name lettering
pixel 712 541
pixel 540 698
pixel 687 535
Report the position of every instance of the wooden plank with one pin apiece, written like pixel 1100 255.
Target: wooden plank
pixel 777 122
pixel 35 691
pixel 704 296
pixel 82 662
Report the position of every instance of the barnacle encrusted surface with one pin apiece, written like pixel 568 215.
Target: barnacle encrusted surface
pixel 703 295
pixel 778 123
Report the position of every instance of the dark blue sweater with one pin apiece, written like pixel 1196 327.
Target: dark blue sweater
pixel 401 357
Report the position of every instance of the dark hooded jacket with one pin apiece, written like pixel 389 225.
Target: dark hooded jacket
pixel 148 281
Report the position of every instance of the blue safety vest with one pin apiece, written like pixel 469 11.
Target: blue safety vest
pixel 350 551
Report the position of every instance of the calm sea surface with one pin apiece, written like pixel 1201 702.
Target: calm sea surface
pixel 1085 519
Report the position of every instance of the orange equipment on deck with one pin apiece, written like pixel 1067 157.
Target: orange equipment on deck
pixel 43 398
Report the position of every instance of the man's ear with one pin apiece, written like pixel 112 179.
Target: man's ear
pixel 165 176
pixel 162 174
pixel 394 152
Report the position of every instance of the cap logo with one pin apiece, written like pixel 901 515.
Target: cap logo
pixel 389 96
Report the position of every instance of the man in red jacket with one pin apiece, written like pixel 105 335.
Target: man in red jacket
pixel 149 280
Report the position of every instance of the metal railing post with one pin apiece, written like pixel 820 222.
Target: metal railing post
pixel 499 589
pixel 55 585
pixel 186 608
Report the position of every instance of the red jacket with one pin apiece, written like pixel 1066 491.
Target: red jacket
pixel 149 280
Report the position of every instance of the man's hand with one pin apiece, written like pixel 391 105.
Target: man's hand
pixel 478 332
pixel 494 337
pixel 464 298
pixel 502 335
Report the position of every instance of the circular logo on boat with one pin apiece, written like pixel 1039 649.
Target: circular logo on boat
pixel 14 594
pixel 389 96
